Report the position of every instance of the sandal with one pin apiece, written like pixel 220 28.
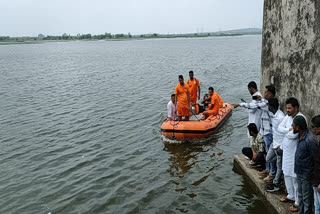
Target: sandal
pixel 286 200
pixel 294 208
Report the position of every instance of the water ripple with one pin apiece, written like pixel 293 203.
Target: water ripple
pixel 79 127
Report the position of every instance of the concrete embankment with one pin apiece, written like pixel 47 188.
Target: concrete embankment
pixel 272 201
pixel 291 52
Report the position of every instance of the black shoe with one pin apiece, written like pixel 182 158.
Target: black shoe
pixel 256 166
pixel 272 188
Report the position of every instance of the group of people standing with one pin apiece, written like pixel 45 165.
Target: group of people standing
pixel 283 146
pixel 185 97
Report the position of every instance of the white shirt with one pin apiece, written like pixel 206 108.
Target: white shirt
pixel 276 119
pixel 289 145
pixel 254 115
pixel 172 113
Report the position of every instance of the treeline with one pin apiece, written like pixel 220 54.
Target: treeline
pixel 4 38
pixel 108 36
pixel 68 37
pixel 98 37
pixel 128 36
pixel 81 37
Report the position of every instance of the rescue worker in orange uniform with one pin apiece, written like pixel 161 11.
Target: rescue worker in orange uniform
pixel 194 89
pixel 194 86
pixel 213 107
pixel 182 99
pixel 208 100
pixel 219 98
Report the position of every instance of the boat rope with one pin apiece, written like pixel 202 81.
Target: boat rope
pixel 173 125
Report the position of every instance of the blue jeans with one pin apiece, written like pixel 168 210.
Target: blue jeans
pixel 316 196
pixel 273 156
pixel 271 166
pixel 305 194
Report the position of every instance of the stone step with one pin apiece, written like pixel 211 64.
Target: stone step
pixel 272 200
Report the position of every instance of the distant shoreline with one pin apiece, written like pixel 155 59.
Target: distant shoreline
pixel 57 39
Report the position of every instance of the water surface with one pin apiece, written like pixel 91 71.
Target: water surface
pixel 80 122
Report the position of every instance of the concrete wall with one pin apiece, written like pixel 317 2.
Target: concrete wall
pixel 291 52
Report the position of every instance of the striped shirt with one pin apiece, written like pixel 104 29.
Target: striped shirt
pixel 265 124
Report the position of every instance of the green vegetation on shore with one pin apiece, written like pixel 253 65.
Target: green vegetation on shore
pixel 109 36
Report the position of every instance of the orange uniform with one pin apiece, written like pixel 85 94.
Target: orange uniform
pixel 193 85
pixel 182 97
pixel 219 98
pixel 215 103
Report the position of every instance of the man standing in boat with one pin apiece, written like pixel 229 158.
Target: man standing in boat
pixel 172 111
pixel 182 96
pixel 194 88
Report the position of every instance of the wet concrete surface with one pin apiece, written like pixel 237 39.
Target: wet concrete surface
pixel 272 200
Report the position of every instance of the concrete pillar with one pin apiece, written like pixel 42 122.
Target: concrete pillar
pixel 291 52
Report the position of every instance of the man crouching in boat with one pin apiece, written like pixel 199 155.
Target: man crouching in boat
pixel 215 103
pixel 207 101
pixel 182 99
pixel 172 111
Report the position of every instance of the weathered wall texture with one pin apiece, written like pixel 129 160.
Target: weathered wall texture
pixel 291 52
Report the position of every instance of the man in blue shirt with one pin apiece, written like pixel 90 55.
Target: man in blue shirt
pixel 304 163
pixel 315 125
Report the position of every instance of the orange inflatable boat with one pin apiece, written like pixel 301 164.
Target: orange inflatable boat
pixel 196 128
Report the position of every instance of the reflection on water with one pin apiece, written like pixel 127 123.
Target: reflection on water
pixel 183 156
pixel 246 196
pixel 256 204
pixel 205 162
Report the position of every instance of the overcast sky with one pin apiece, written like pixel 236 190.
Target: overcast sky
pixel 55 17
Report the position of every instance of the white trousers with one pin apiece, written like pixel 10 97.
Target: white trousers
pixel 292 188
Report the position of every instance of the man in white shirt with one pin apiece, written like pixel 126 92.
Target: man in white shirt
pixel 172 112
pixel 275 153
pixel 289 146
pixel 254 115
